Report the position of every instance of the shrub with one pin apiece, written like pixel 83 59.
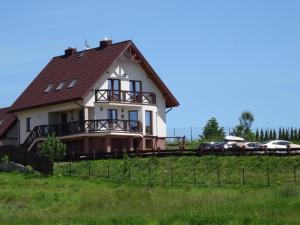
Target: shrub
pixel 52 148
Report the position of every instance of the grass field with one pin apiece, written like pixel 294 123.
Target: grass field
pixel 258 171
pixel 33 199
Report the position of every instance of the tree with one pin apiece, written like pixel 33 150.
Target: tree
pixel 292 138
pixel 266 138
pixel 261 135
pixel 52 148
pixel 280 133
pixel 295 135
pixel 257 135
pixel 271 134
pixel 212 131
pixel 243 129
pixel 274 135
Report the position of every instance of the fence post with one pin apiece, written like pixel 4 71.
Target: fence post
pixel 129 174
pixel 70 168
pixel 195 177
pixel 295 174
pixel 218 173
pixel 149 176
pixel 268 175
pixel 172 178
pixel 89 168
pixel 108 170
pixel 243 176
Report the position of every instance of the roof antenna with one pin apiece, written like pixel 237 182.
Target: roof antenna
pixel 86 45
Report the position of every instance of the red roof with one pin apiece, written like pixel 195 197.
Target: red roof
pixel 6 121
pixel 85 67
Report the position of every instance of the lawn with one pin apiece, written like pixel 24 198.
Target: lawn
pixel 34 199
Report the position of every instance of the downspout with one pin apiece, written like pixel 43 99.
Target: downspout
pixel 169 110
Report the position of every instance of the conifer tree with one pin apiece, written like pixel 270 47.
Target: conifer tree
pixel 292 135
pixel 295 135
pixel 257 135
pixel 298 138
pixel 266 138
pixel 270 134
pixel 261 137
pixel 287 134
pixel 279 133
pixel 274 135
pixel 282 134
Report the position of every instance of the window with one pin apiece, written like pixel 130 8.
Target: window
pixel 72 84
pixel 49 88
pixel 60 86
pixel 148 143
pixel 148 122
pixel 133 120
pixel 114 87
pixel 135 86
pixel 112 114
pixel 28 124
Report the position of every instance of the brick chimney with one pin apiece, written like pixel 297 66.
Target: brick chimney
pixel 104 43
pixel 70 51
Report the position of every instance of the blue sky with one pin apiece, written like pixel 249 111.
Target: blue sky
pixel 218 57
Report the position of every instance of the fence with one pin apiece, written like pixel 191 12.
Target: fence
pixel 193 132
pixel 22 156
pixel 148 173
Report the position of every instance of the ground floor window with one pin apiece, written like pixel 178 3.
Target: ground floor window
pixel 148 143
pixel 28 124
pixel 148 121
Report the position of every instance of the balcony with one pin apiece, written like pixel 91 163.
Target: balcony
pixel 129 97
pixel 85 126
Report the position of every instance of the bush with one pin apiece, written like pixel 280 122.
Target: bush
pixel 52 148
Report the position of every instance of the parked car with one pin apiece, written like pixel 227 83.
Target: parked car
pixel 279 144
pixel 212 146
pixel 253 145
pixel 233 142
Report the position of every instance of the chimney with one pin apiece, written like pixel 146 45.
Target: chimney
pixel 104 43
pixel 70 51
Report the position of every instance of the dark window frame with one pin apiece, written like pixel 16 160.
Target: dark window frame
pixel 109 114
pixel 28 124
pixel 149 129
pixel 134 85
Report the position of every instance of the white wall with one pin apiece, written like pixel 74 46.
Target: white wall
pixel 134 72
pixel 40 116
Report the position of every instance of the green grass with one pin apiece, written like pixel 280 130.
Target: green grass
pixel 61 199
pixel 191 171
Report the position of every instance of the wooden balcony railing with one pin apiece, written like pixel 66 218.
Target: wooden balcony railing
pixel 147 98
pixel 85 126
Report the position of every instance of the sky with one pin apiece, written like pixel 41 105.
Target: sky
pixel 219 58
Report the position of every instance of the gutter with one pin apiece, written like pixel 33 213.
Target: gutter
pixel 169 110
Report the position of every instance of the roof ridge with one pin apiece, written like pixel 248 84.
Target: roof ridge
pixel 90 49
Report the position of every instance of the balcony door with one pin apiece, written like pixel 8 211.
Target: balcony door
pixel 135 90
pixel 149 122
pixel 114 89
pixel 133 121
pixel 112 118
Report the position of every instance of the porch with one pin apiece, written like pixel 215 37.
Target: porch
pixel 97 127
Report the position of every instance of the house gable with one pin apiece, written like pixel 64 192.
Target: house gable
pixel 85 68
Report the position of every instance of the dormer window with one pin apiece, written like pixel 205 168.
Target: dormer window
pixel 49 88
pixel 72 84
pixel 60 86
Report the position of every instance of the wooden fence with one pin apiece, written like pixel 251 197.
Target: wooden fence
pixel 21 156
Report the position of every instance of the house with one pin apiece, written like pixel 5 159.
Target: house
pixel 8 128
pixel 103 99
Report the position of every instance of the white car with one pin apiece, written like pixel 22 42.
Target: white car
pixel 279 144
pixel 233 142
